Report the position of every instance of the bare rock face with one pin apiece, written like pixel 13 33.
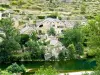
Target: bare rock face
pixel 53 49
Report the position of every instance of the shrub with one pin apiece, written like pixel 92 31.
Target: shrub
pixel 52 31
pixel 5 73
pixel 91 53
pixel 53 15
pixel 14 2
pixel 95 73
pixel 2 9
pixel 15 68
pixel 86 73
pixel 46 71
pixel 5 6
pixel 71 51
pixel 41 17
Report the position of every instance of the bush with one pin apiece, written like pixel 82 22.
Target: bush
pixel 53 15
pixel 23 69
pixel 5 6
pixel 41 17
pixel 2 9
pixel 46 71
pixel 5 73
pixel 52 31
pixel 71 51
pixel 85 73
pixel 14 3
pixel 93 73
pixel 15 68
pixel 91 53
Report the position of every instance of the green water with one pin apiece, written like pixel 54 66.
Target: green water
pixel 61 66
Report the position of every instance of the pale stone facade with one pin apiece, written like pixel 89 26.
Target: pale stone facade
pixel 45 25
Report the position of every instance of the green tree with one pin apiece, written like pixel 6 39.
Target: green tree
pixel 94 37
pixel 35 47
pixel 71 51
pixel 15 68
pixel 73 36
pixel 10 41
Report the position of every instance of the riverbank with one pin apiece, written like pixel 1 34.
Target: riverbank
pixel 76 73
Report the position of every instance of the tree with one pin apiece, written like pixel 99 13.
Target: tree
pixel 15 68
pixel 94 37
pixel 35 47
pixel 75 37
pixel 71 51
pixel 10 41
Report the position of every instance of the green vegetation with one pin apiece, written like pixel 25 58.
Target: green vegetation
pixel 73 41
pixel 47 71
pixel 79 42
pixel 13 43
pixel 52 31
pixel 15 68
pixel 11 38
pixel 94 38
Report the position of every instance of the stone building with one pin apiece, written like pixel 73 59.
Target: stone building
pixel 44 26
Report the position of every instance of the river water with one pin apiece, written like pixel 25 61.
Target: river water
pixel 61 66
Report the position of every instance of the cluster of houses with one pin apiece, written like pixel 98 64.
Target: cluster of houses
pixel 55 46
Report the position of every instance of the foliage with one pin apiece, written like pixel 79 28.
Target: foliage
pixel 91 52
pixel 93 73
pixel 53 15
pixel 24 39
pixel 94 32
pixel 85 73
pixel 4 6
pixel 41 17
pixel 46 71
pixel 83 8
pixel 73 40
pixel 15 68
pixel 5 73
pixel 10 41
pixel 71 51
pixel 52 31
pixel 94 37
pixel 35 47
pixel 63 54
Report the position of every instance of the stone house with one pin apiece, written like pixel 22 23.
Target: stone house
pixel 44 26
pixel 27 29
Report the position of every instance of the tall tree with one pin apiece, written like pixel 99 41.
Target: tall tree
pixel 75 37
pixel 10 41
pixel 94 37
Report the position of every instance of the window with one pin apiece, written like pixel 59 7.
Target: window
pixel 53 25
pixel 41 26
pixel 59 26
pixel 62 30
pixel 40 31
